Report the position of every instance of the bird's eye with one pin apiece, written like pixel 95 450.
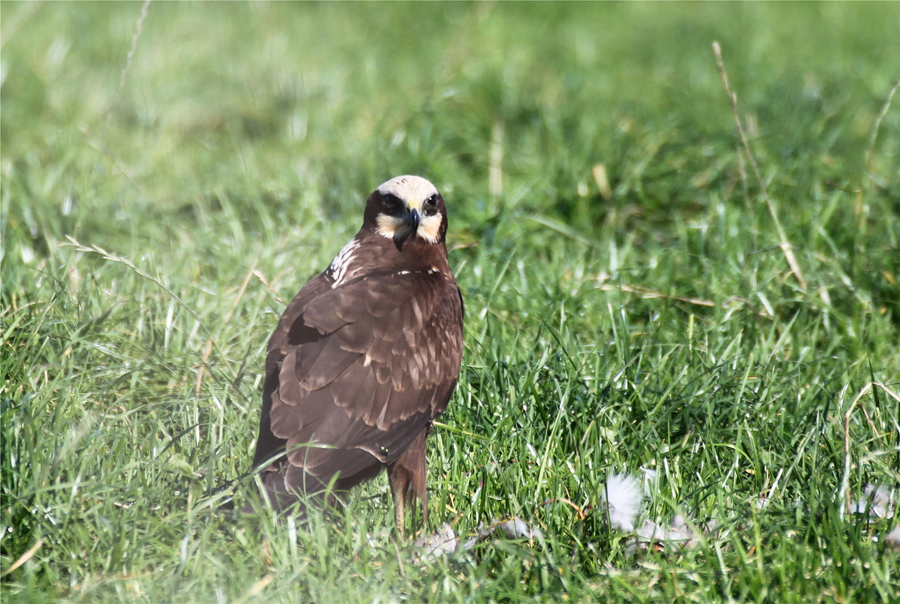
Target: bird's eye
pixel 430 205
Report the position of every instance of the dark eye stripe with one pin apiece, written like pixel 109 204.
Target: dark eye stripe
pixel 392 204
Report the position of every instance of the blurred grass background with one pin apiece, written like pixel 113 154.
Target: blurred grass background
pixel 645 320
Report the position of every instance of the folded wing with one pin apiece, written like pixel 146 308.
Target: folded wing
pixel 355 373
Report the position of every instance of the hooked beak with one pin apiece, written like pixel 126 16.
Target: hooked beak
pixel 412 220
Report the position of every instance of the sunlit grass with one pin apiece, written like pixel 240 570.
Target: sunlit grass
pixel 157 228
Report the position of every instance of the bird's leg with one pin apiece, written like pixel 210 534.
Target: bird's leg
pixel 407 476
pixel 399 505
pixel 398 477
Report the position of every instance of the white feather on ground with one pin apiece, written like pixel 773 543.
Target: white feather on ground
pixel 622 497
pixel 893 538
pixel 516 528
pixel 681 532
pixel 878 502
pixel 651 481
pixel 440 543
pixel 446 542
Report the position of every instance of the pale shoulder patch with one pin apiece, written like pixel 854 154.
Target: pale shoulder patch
pixel 339 269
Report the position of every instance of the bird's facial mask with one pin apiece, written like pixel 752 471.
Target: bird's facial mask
pixel 409 207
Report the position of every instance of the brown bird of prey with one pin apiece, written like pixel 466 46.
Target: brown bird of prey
pixel 365 357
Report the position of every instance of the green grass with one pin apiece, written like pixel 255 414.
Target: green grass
pixel 233 164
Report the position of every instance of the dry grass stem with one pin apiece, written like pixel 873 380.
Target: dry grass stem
pixel 732 98
pixel 96 146
pixel 845 481
pixel 876 127
pixel 568 502
pixel 264 281
pixel 209 344
pixel 134 41
pixel 649 294
pixel 495 171
pixel 257 587
pixel 109 257
pixel 24 557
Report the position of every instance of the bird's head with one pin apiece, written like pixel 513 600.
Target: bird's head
pixel 407 206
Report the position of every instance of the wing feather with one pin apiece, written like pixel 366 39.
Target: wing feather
pixel 322 366
pixel 360 369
